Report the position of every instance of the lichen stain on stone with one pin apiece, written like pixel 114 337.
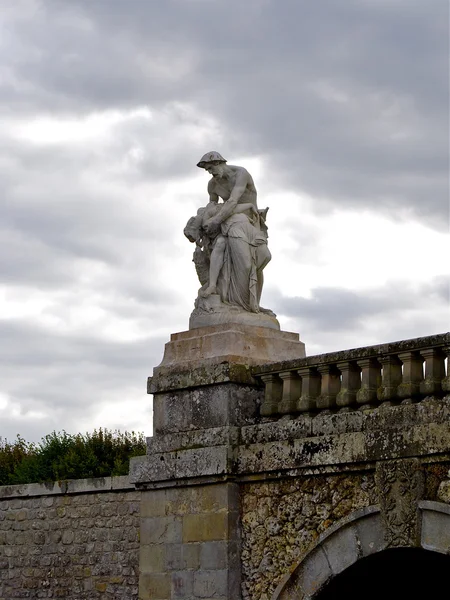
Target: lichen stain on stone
pixel 313 448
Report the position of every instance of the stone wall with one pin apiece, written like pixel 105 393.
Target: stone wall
pixel 77 540
pixel 282 519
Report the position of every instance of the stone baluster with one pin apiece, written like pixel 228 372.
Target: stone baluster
pixel 330 386
pixel 391 378
pixel 292 389
pixel 272 394
pixel 350 384
pixel 370 380
pixel 434 371
pixel 310 389
pixel 412 375
pixel 446 380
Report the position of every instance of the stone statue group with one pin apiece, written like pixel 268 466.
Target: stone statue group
pixel 231 245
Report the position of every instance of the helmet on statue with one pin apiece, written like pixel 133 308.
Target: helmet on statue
pixel 210 157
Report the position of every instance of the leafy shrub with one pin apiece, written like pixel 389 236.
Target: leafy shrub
pixel 61 456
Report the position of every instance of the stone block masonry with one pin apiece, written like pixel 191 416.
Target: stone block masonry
pixel 77 540
pixel 189 545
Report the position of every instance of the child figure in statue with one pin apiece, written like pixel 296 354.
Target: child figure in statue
pixel 211 241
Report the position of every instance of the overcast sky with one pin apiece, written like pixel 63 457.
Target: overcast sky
pixel 338 108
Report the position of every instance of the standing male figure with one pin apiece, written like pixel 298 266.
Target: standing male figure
pixel 240 250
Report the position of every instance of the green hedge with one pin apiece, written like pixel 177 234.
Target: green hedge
pixel 61 456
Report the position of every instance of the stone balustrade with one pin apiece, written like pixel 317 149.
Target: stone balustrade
pixel 393 373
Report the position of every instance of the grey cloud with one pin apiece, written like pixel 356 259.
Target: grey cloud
pixel 336 318
pixel 336 309
pixel 29 261
pixel 68 378
pixel 60 207
pixel 385 146
pixel 44 347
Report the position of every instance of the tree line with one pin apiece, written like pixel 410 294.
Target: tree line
pixel 60 456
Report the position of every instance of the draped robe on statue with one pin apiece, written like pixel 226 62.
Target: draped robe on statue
pixel 237 283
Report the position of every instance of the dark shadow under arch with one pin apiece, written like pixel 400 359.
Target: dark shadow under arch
pixel 394 574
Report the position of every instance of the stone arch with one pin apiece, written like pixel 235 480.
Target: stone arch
pixel 357 536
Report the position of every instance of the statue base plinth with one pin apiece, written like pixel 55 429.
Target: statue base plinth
pixel 212 311
pixel 221 353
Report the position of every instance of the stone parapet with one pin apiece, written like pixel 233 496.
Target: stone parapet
pixel 404 371
pixel 68 486
pixel 322 442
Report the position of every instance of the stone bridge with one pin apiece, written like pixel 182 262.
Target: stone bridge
pixel 270 476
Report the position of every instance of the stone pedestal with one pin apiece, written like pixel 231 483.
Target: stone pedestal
pixel 203 393
pixel 204 379
pixel 233 343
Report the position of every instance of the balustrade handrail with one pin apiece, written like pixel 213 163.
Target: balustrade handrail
pixel 432 341
pixel 348 379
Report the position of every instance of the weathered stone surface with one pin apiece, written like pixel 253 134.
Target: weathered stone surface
pixel 344 550
pixel 190 534
pixel 441 340
pixel 370 539
pixel 71 486
pixel 186 377
pixel 283 429
pixel 188 463
pixel 199 438
pixel 205 527
pixel 80 542
pixel 221 353
pixel 315 573
pixel 401 485
pixel 161 530
pixel 211 584
pixel 443 493
pixel 212 345
pixel 345 440
pixel 341 545
pixel 362 377
pixel 211 311
pixel 430 410
pixel 282 519
pixel 221 405
pixel 435 526
pixel 213 555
